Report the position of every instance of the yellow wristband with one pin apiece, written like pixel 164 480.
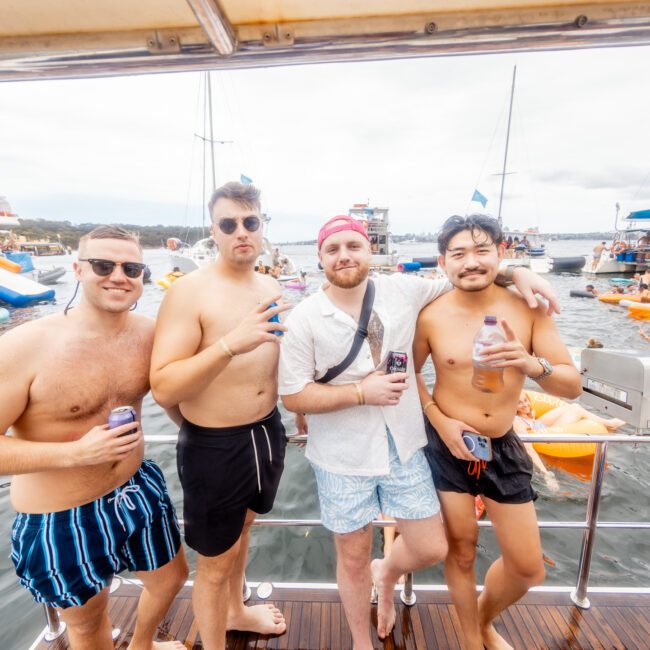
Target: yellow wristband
pixel 428 405
pixel 360 396
pixel 226 347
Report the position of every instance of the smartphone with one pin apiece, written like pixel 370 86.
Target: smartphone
pixel 275 319
pixel 396 362
pixel 479 446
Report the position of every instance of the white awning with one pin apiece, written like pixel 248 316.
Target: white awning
pixel 75 38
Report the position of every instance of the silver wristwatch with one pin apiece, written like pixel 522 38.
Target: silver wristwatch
pixel 548 369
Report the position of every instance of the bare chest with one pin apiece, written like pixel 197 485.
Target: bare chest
pixel 84 380
pixel 452 337
pixel 227 312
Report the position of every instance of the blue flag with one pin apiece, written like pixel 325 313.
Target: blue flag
pixel 245 180
pixel 479 198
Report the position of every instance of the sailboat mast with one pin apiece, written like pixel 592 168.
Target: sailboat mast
pixel 214 178
pixel 505 155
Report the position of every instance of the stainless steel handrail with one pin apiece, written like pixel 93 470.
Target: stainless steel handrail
pixel 589 526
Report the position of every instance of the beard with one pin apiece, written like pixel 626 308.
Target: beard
pixel 350 278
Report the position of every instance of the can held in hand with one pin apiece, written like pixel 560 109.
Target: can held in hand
pixel 122 415
pixel 396 362
pixel 275 319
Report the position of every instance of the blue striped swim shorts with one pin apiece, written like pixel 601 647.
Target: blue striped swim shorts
pixel 349 502
pixel 65 558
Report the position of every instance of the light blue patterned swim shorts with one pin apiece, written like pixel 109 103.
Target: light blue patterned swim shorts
pixel 349 502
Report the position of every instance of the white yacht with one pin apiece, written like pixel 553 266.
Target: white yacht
pixel 377 224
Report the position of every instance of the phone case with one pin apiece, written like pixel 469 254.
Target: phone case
pixel 479 446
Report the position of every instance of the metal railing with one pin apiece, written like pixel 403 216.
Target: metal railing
pixel 589 525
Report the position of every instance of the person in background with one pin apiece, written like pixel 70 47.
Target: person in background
pixel 591 289
pixel 593 343
pixel 644 293
pixel 599 249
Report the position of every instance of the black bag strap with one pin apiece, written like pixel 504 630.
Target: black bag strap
pixel 359 336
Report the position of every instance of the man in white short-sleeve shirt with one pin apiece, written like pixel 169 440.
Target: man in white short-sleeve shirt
pixel 366 430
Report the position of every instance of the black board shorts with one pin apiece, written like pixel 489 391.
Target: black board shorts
pixel 224 472
pixel 504 479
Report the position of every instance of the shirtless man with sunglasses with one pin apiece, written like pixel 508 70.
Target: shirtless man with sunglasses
pixel 216 356
pixel 88 505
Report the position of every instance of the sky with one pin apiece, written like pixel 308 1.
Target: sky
pixel 417 136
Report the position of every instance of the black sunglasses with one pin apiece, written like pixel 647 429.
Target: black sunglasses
pixel 228 225
pixel 106 267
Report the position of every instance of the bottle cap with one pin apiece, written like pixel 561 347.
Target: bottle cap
pixel 490 320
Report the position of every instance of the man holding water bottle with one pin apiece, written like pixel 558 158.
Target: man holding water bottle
pixel 366 432
pixel 484 341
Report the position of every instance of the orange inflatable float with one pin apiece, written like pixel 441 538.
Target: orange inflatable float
pixel 612 297
pixel 542 403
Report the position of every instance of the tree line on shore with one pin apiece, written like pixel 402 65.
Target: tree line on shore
pixel 154 236
pixel 68 234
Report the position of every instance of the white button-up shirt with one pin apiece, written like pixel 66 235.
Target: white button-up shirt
pixel 319 337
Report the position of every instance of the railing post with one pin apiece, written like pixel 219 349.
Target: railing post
pixel 55 626
pixel 407 595
pixel 579 595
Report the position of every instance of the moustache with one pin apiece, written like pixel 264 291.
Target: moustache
pixel 472 272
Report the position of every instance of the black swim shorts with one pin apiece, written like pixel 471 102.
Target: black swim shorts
pixel 224 472
pixel 505 479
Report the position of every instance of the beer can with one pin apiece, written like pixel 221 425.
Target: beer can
pixel 396 362
pixel 122 415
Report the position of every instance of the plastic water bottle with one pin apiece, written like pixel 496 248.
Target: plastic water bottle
pixel 486 378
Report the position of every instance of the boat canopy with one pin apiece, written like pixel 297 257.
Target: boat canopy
pixel 639 215
pixel 80 38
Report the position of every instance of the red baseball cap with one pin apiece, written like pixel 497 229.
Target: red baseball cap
pixel 350 224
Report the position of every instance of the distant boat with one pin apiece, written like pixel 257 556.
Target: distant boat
pixel 378 227
pixel 40 248
pixel 187 258
pixel 631 258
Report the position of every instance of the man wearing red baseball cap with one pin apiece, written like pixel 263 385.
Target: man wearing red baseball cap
pixel 366 430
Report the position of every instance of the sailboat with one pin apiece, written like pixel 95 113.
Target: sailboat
pixel 186 258
pixel 532 255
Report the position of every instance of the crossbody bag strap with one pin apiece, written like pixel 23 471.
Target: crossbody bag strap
pixel 359 336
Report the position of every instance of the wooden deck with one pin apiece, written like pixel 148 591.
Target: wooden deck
pixel 315 621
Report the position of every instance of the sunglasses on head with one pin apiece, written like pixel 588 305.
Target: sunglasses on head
pixel 228 225
pixel 106 267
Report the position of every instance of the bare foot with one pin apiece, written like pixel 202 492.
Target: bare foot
pixel 385 604
pixel 263 619
pixel 165 645
pixel 613 424
pixel 493 640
